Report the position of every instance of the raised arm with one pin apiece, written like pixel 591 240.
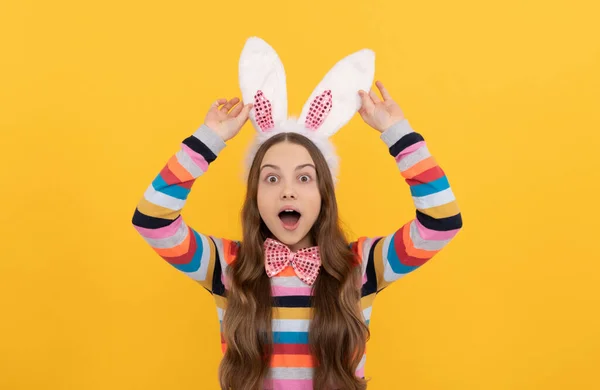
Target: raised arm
pixel 157 217
pixel 438 219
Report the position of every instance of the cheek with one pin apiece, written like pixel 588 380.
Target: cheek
pixel 314 200
pixel 263 200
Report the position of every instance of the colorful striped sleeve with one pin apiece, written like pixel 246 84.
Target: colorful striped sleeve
pixel 438 218
pixel 157 217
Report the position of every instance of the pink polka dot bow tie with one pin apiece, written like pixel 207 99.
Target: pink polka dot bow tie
pixel 306 262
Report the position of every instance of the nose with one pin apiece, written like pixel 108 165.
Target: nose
pixel 288 192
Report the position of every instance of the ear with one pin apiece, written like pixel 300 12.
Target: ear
pixel 335 100
pixel 262 82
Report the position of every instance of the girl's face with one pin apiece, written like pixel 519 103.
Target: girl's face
pixel 288 196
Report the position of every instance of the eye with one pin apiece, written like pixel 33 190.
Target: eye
pixel 272 179
pixel 304 178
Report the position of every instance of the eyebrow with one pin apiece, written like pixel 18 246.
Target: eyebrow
pixel 297 168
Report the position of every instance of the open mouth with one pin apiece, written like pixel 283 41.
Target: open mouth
pixel 290 218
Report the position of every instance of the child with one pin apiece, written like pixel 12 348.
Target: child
pixel 293 296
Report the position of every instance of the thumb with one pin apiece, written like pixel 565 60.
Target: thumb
pixel 217 103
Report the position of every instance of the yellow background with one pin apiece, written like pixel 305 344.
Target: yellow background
pixel 95 96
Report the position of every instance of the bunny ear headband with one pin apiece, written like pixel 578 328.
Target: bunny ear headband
pixel 331 105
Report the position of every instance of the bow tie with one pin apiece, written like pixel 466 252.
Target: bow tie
pixel 306 262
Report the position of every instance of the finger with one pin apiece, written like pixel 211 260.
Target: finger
pixel 367 99
pixel 384 92
pixel 218 102
pixel 367 102
pixel 227 106
pixel 236 110
pixel 374 96
pixel 243 116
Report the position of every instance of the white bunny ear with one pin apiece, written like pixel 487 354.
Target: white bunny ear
pixel 263 83
pixel 335 100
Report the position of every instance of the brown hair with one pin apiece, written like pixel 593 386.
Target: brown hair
pixel 337 334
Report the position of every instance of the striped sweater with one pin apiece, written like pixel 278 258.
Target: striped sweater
pixel 384 259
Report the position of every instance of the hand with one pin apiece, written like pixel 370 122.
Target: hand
pixel 379 114
pixel 224 122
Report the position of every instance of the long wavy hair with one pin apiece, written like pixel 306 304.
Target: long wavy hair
pixel 337 334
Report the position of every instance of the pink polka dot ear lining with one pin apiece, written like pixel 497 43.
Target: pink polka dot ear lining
pixel 320 107
pixel 263 112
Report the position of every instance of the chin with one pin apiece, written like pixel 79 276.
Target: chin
pixel 289 242
pixel 285 236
